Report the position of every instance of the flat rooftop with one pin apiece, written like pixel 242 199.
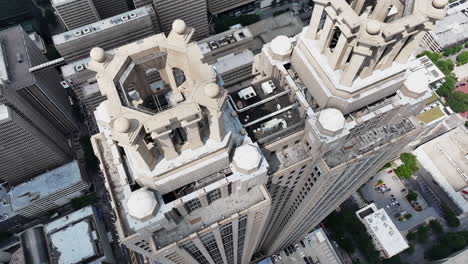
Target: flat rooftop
pixel 100 25
pixel 72 237
pixel 381 227
pixel 264 113
pixel 454 27
pixel 45 184
pixel 233 60
pixel 224 39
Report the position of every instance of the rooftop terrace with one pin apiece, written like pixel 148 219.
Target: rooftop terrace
pixel 265 109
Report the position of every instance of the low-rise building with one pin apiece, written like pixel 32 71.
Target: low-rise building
pixel 446 159
pixel 451 30
pixel 385 236
pixel 47 191
pixel 79 237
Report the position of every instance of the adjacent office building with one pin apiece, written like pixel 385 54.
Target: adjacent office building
pixel 14 12
pixel 450 31
pixel 187 184
pixel 219 6
pixel 77 238
pixel 445 158
pixel 75 13
pixel 193 12
pixel 385 236
pixel 36 119
pixel 108 33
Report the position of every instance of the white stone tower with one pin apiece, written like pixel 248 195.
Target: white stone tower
pixel 186 183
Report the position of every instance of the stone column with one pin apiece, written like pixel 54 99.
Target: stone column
pixel 216 126
pixel 219 241
pixel 202 248
pixel 352 69
pixel 326 33
pixel 225 189
pixel 202 196
pixel 312 29
pixel 235 237
pixel 339 52
pixel 410 46
pixel 358 5
pixel 390 56
pixel 179 205
pixel 193 135
pixel 164 140
pixel 374 59
pixel 380 11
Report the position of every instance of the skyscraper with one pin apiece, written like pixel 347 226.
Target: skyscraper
pixel 327 108
pixel 348 73
pixel 186 183
pixel 36 117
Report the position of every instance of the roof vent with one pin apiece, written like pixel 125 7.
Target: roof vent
pixel 86 30
pixel 124 18
pixel 133 15
pixel 78 33
pixel 79 68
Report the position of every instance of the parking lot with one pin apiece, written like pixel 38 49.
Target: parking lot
pixel 314 249
pixel 390 195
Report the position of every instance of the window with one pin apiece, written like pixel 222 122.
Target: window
pixel 208 240
pixel 192 205
pixel 226 236
pixel 241 235
pixel 193 250
pixel 213 195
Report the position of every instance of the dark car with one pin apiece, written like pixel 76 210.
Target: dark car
pixel 302 244
pixel 306 260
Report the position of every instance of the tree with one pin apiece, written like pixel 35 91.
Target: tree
pixel 448 86
pixel 458 101
pixel 436 252
pixel 408 167
pixel 433 56
pixel 408 216
pixel 412 196
pixel 403 172
pixel 423 234
pixel 445 66
pixel 409 250
pixel 450 216
pixel 91 161
pixel 436 227
pixel 462 58
pixel 454 241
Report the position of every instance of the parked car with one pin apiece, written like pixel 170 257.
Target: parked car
pixel 302 244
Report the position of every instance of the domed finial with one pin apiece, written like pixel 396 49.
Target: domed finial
pixel 373 27
pixel 439 4
pixel 212 90
pixel 179 26
pixel 122 124
pixel 98 54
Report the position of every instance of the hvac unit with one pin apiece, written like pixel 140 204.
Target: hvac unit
pixel 78 33
pixel 124 18
pixel 86 30
pixel 133 15
pixel 79 68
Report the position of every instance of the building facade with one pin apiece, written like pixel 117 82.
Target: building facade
pixel 75 13
pixel 193 12
pixel 108 33
pixel 186 183
pixel 110 8
pixel 220 6
pixel 352 105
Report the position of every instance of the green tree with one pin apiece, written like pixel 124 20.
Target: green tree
pixel 448 86
pixel 436 227
pixel 462 58
pixel 409 250
pixel 403 172
pixel 423 234
pixel 458 101
pixel 454 241
pixel 445 66
pixel 91 161
pixel 436 252
pixel 412 196
pixel 433 56
pixel 450 216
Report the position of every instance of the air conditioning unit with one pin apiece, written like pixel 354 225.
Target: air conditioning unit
pixel 79 68
pixel 133 15
pixel 124 18
pixel 78 33
pixel 64 84
pixel 86 30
